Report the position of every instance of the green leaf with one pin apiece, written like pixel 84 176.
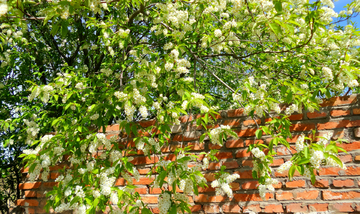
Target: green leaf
pixel 258 133
pixel 292 171
pixel 303 161
pixel 145 211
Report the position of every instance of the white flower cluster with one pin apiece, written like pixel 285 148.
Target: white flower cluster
pixel 222 186
pixel 164 203
pixel 121 95
pixel 269 182
pixel 45 90
pixel 285 166
pixel 186 185
pixel 215 134
pixel 258 154
pixel 106 183
pixel 3 7
pixel 300 144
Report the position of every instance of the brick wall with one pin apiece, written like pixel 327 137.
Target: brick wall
pixel 335 190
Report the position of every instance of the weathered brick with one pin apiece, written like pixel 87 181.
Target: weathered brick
pixel 321 183
pixel 30 185
pixel 224 155
pixel 296 117
pixel 295 184
pixel 335 101
pixel 302 127
pixel 341 207
pixel 149 199
pixel 316 115
pixel 356 111
pixel 231 208
pixel 273 208
pixel 348 195
pixel 27 202
pixel 242 153
pixel 212 208
pixel 252 208
pixel 318 207
pixel 333 124
pixel 234 143
pixel 284 196
pixel 350 146
pixel 343 183
pixel 295 207
pixel 203 198
pixel 307 195
pixel 339 113
pixel 232 123
pixel 251 122
pixel 252 197
pixel 245 132
pixel 235 113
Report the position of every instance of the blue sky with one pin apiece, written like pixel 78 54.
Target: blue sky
pixel 339 5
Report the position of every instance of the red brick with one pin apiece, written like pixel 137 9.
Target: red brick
pixel 110 128
pixel 196 208
pixel 50 184
pixel 345 158
pixel 321 183
pixel 316 115
pixel 30 185
pixel 231 164
pixel 252 208
pixel 224 155
pixel 178 137
pixel 120 182
pixel 30 194
pixel 251 122
pixel 234 143
pixel 242 153
pixel 343 183
pixel 232 123
pixel 354 123
pixel 252 197
pixel 307 195
pixel 245 174
pixel 356 111
pixel 273 208
pixel 148 123
pixel 318 207
pixel 247 163
pixel 232 208
pixel 295 184
pixel 54 175
pixel 341 207
pixel 212 208
pixel 277 162
pixel 214 146
pixel 250 185
pixel 333 124
pixel 196 146
pixel 353 170
pixel 350 146
pixel 344 100
pixel 206 189
pixel 27 202
pixel 340 112
pixel 302 127
pixel 144 160
pixel 149 199
pixel 296 208
pixel 185 118
pixel 143 181
pixel 296 117
pixel 357 158
pixel 331 195
pixel 141 191
pixel 235 113
pixel 29 210
pixel 330 171
pixel 235 186
pixel 284 196
pixel 209 177
pixel 245 132
pixel 206 198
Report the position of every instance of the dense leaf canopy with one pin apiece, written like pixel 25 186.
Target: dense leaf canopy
pixel 71 67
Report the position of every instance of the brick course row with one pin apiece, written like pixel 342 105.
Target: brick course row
pixel 335 190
